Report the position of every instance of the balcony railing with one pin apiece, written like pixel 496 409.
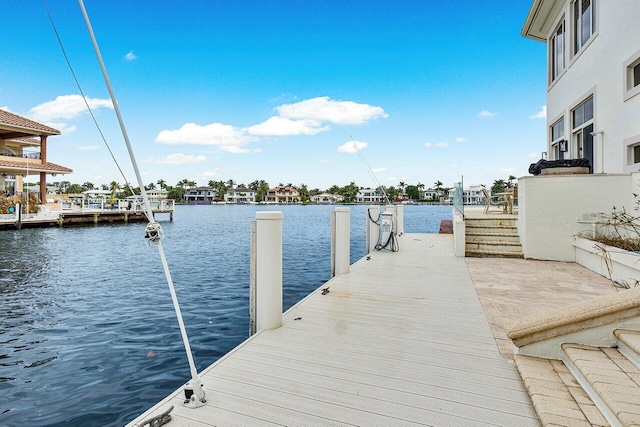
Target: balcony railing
pixel 10 153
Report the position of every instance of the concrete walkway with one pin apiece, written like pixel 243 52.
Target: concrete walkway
pixel 400 340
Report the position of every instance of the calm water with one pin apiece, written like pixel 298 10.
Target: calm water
pixel 88 335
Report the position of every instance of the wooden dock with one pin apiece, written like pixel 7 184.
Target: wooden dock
pixel 400 340
pixel 71 218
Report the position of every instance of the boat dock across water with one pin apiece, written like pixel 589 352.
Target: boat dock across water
pixel 402 339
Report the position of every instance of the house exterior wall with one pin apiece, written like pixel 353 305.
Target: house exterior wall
pixel 599 69
pixel 550 207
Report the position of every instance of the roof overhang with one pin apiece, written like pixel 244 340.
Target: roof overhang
pixel 23 168
pixel 541 16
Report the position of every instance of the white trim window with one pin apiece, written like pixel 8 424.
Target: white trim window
pixel 633 150
pixel 556 52
pixel 583 23
pixel 582 129
pixel 632 76
pixel 558 143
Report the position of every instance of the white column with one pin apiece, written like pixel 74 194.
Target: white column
pixel 340 241
pixel 372 229
pixel 400 219
pixel 268 270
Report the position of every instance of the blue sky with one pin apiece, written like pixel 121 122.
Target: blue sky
pixel 280 90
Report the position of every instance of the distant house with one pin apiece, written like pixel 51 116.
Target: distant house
pixel 199 195
pixel 283 195
pixel 368 195
pixel 473 195
pixel 23 151
pixel 593 80
pixel 430 194
pixel 326 199
pixel 240 196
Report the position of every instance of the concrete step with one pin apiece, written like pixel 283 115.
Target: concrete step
pixel 506 222
pixel 629 345
pixel 556 395
pixel 610 379
pixel 493 253
pixel 493 245
pixel 491 236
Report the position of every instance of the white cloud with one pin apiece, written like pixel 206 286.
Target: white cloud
pixel 226 137
pixel 379 170
pixel 323 109
pixel 281 126
pixel 66 107
pixel 177 159
pixel 453 165
pixel 350 147
pixel 64 128
pixel 6 108
pixel 507 170
pixel 428 144
pixel 442 144
pixel 533 155
pixel 461 139
pixel 130 56
pixel 88 147
pixel 486 114
pixel 542 114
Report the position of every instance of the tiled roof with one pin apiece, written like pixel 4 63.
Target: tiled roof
pixel 33 166
pixel 7 118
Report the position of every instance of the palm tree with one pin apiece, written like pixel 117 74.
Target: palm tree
pixel 162 183
pixel 113 187
pixel 231 183
pixel 437 186
pixel 88 185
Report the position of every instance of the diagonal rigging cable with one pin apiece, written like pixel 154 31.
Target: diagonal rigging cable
pixel 86 103
pixel 194 389
pixel 369 170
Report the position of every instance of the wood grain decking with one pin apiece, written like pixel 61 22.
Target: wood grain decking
pixel 400 340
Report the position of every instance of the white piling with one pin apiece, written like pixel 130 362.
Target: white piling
pixel 372 229
pixel 400 220
pixel 266 271
pixel 340 241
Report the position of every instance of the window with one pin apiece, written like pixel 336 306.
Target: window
pixel 582 126
pixel 632 76
pixel 636 154
pixel 583 22
pixel 558 144
pixel 556 52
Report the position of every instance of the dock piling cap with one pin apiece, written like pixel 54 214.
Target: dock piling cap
pixel 272 215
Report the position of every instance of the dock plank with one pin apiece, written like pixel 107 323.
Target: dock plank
pixel 400 340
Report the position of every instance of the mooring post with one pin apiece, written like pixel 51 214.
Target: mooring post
pixel 19 216
pixel 265 299
pixel 400 219
pixel 372 228
pixel 340 241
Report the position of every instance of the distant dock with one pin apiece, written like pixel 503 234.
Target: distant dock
pixel 72 217
pixel 400 340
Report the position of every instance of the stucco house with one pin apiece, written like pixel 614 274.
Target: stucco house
pixel 593 80
pixel 369 196
pixel 326 199
pixel 593 112
pixel 23 151
pixel 283 195
pixel 240 196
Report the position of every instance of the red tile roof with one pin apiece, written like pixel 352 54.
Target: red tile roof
pixel 34 166
pixel 10 119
